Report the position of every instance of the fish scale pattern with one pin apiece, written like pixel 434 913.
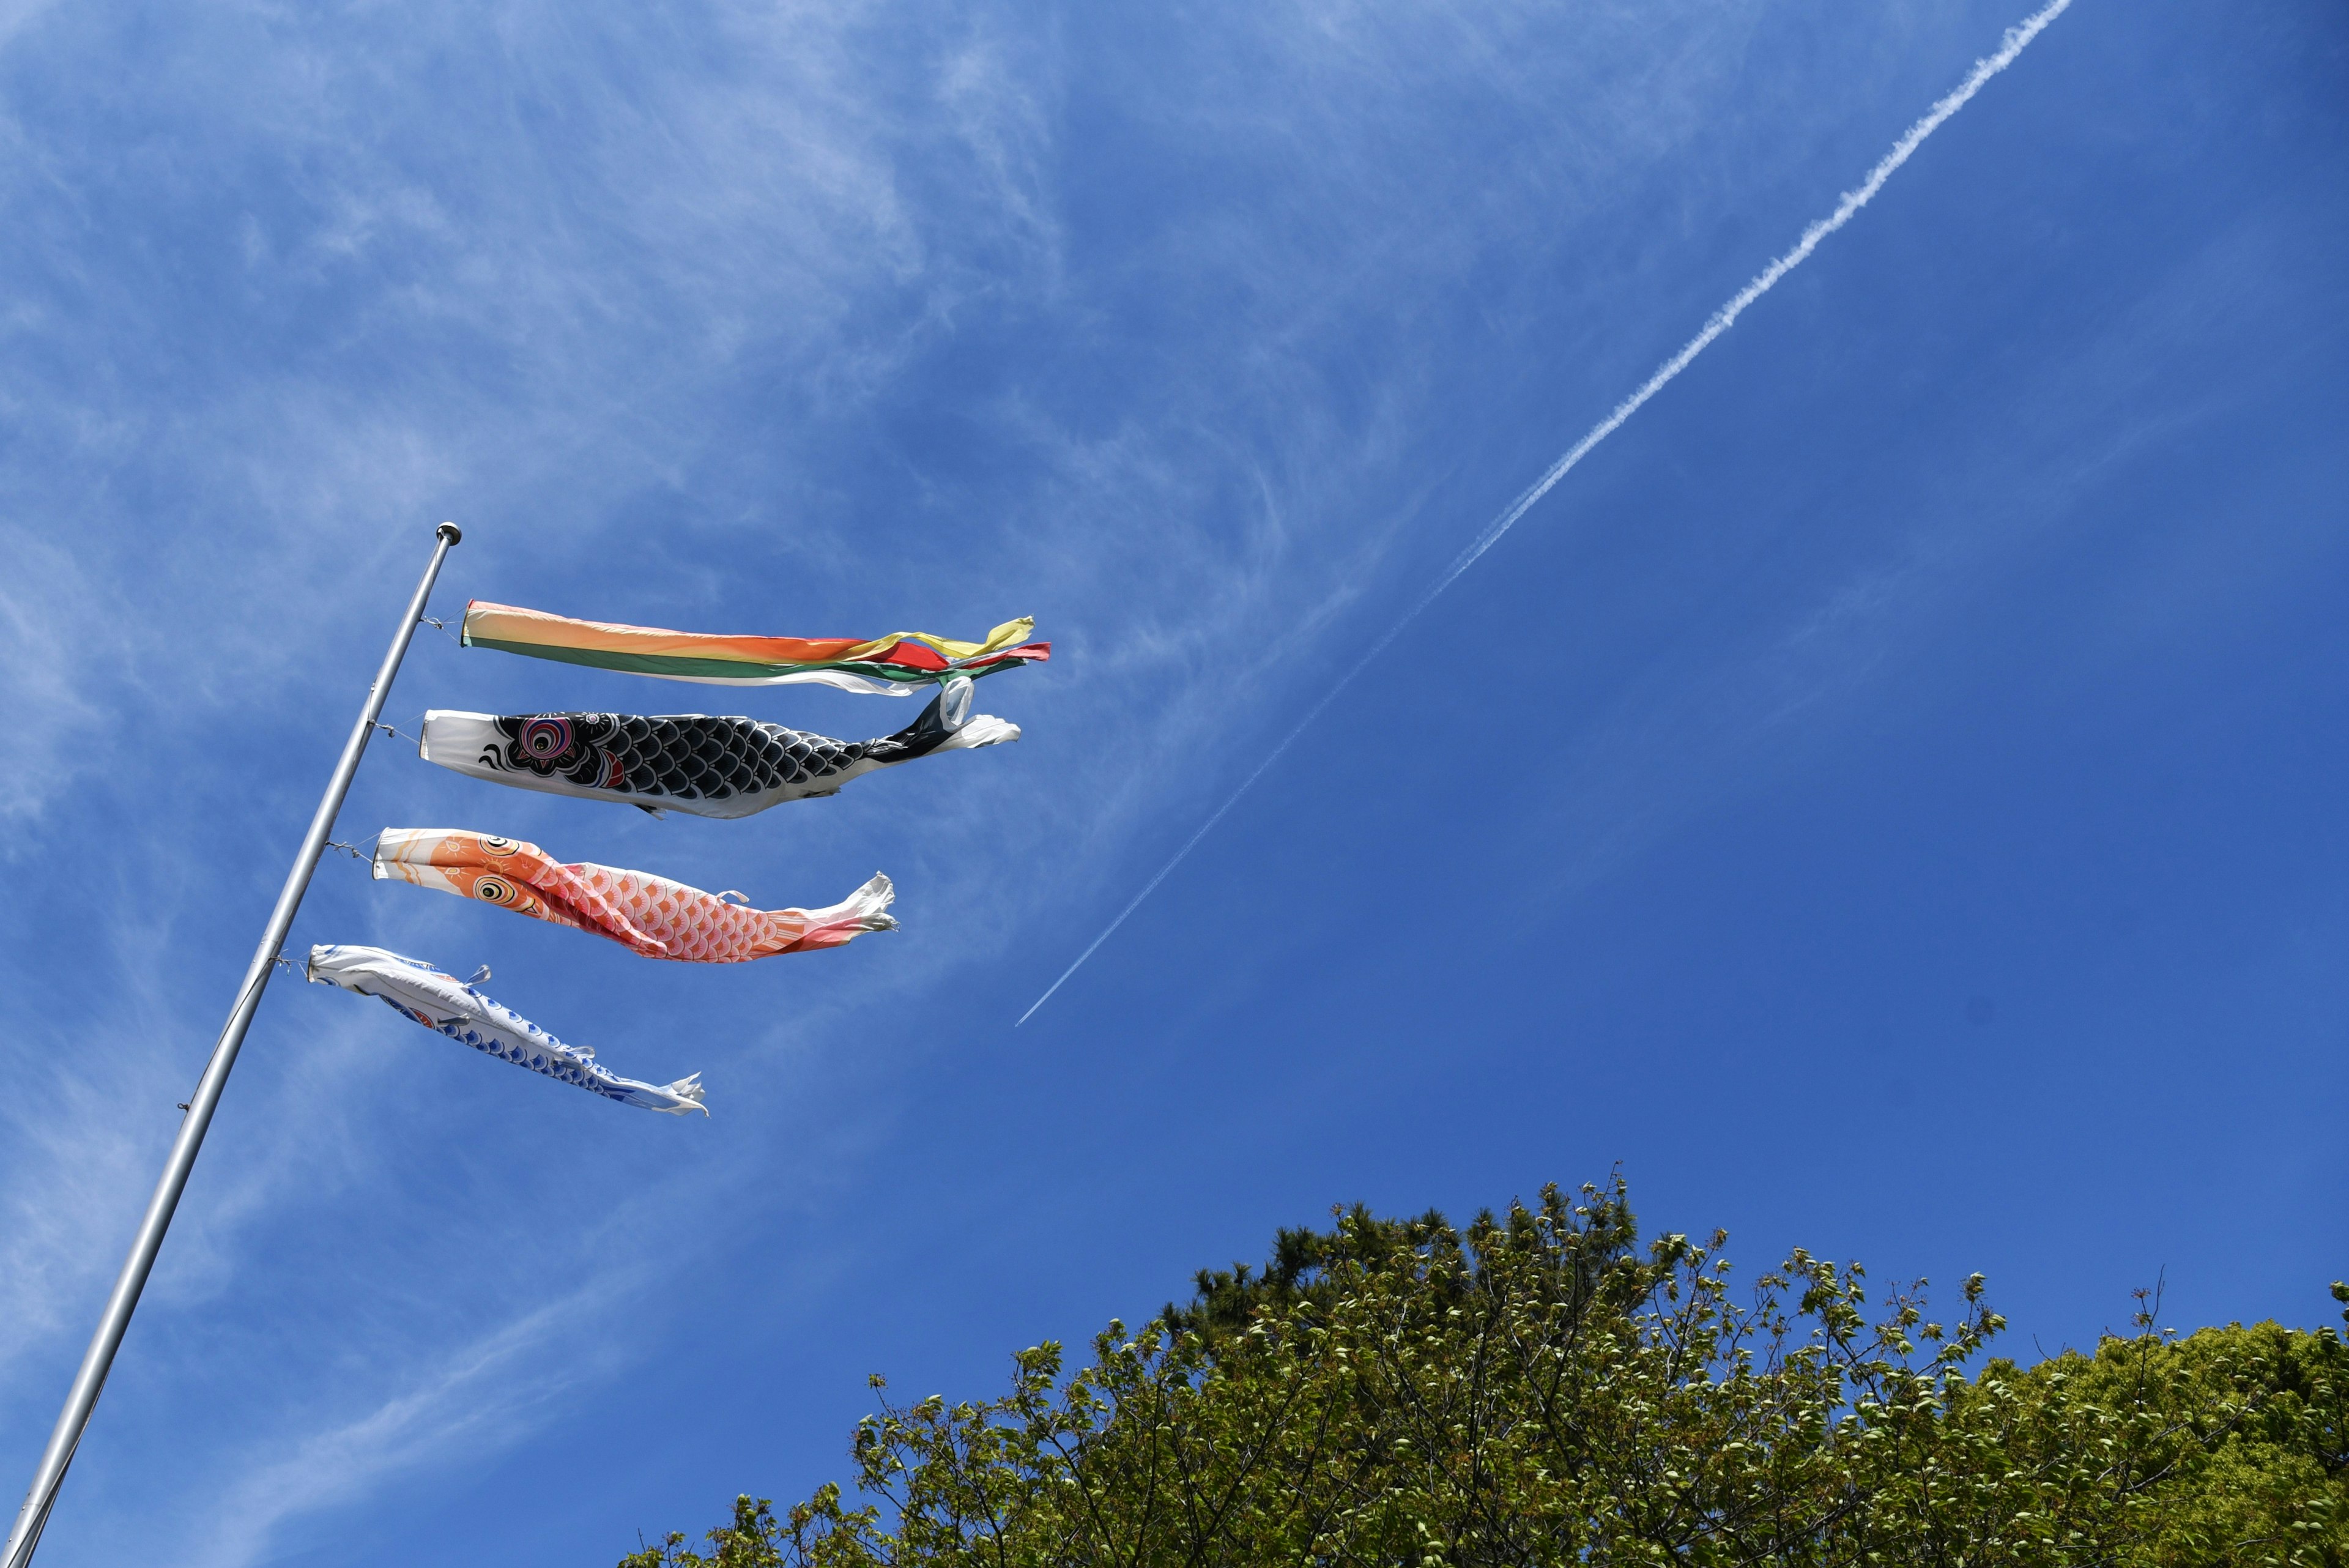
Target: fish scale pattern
pixel 702 758
pixel 686 757
pixel 675 921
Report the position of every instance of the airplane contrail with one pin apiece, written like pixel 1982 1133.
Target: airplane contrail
pixel 2018 39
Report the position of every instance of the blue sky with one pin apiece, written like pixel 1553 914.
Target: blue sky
pixel 1887 800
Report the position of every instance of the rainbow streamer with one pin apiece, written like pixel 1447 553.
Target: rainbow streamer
pixel 894 666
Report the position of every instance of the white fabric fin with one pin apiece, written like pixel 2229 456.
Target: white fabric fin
pixel 980 729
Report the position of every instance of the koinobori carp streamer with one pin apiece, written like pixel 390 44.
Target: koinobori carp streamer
pixel 450 1006
pixel 648 914
pixel 723 767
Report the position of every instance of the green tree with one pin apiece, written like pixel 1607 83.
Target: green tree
pixel 1543 1388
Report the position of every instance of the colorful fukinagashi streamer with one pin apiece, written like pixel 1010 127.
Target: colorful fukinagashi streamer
pixel 894 666
pixel 689 762
pixel 650 915
pixel 443 1002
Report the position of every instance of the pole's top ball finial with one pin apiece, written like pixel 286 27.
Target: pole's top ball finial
pixel 450 532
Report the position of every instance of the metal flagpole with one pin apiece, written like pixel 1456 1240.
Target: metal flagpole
pixel 95 1361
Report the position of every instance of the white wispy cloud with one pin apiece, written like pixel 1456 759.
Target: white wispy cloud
pixel 475 1396
pixel 54 649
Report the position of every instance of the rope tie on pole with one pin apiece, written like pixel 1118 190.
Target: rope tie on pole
pixel 363 852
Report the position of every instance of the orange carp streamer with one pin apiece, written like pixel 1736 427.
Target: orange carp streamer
pixel 647 914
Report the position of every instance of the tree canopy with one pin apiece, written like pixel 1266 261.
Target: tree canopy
pixel 1543 1387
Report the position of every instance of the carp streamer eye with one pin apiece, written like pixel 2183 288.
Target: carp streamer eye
pixel 493 890
pixel 546 739
pixel 498 846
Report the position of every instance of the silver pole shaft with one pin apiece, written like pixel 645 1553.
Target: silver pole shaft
pixel 95 1361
